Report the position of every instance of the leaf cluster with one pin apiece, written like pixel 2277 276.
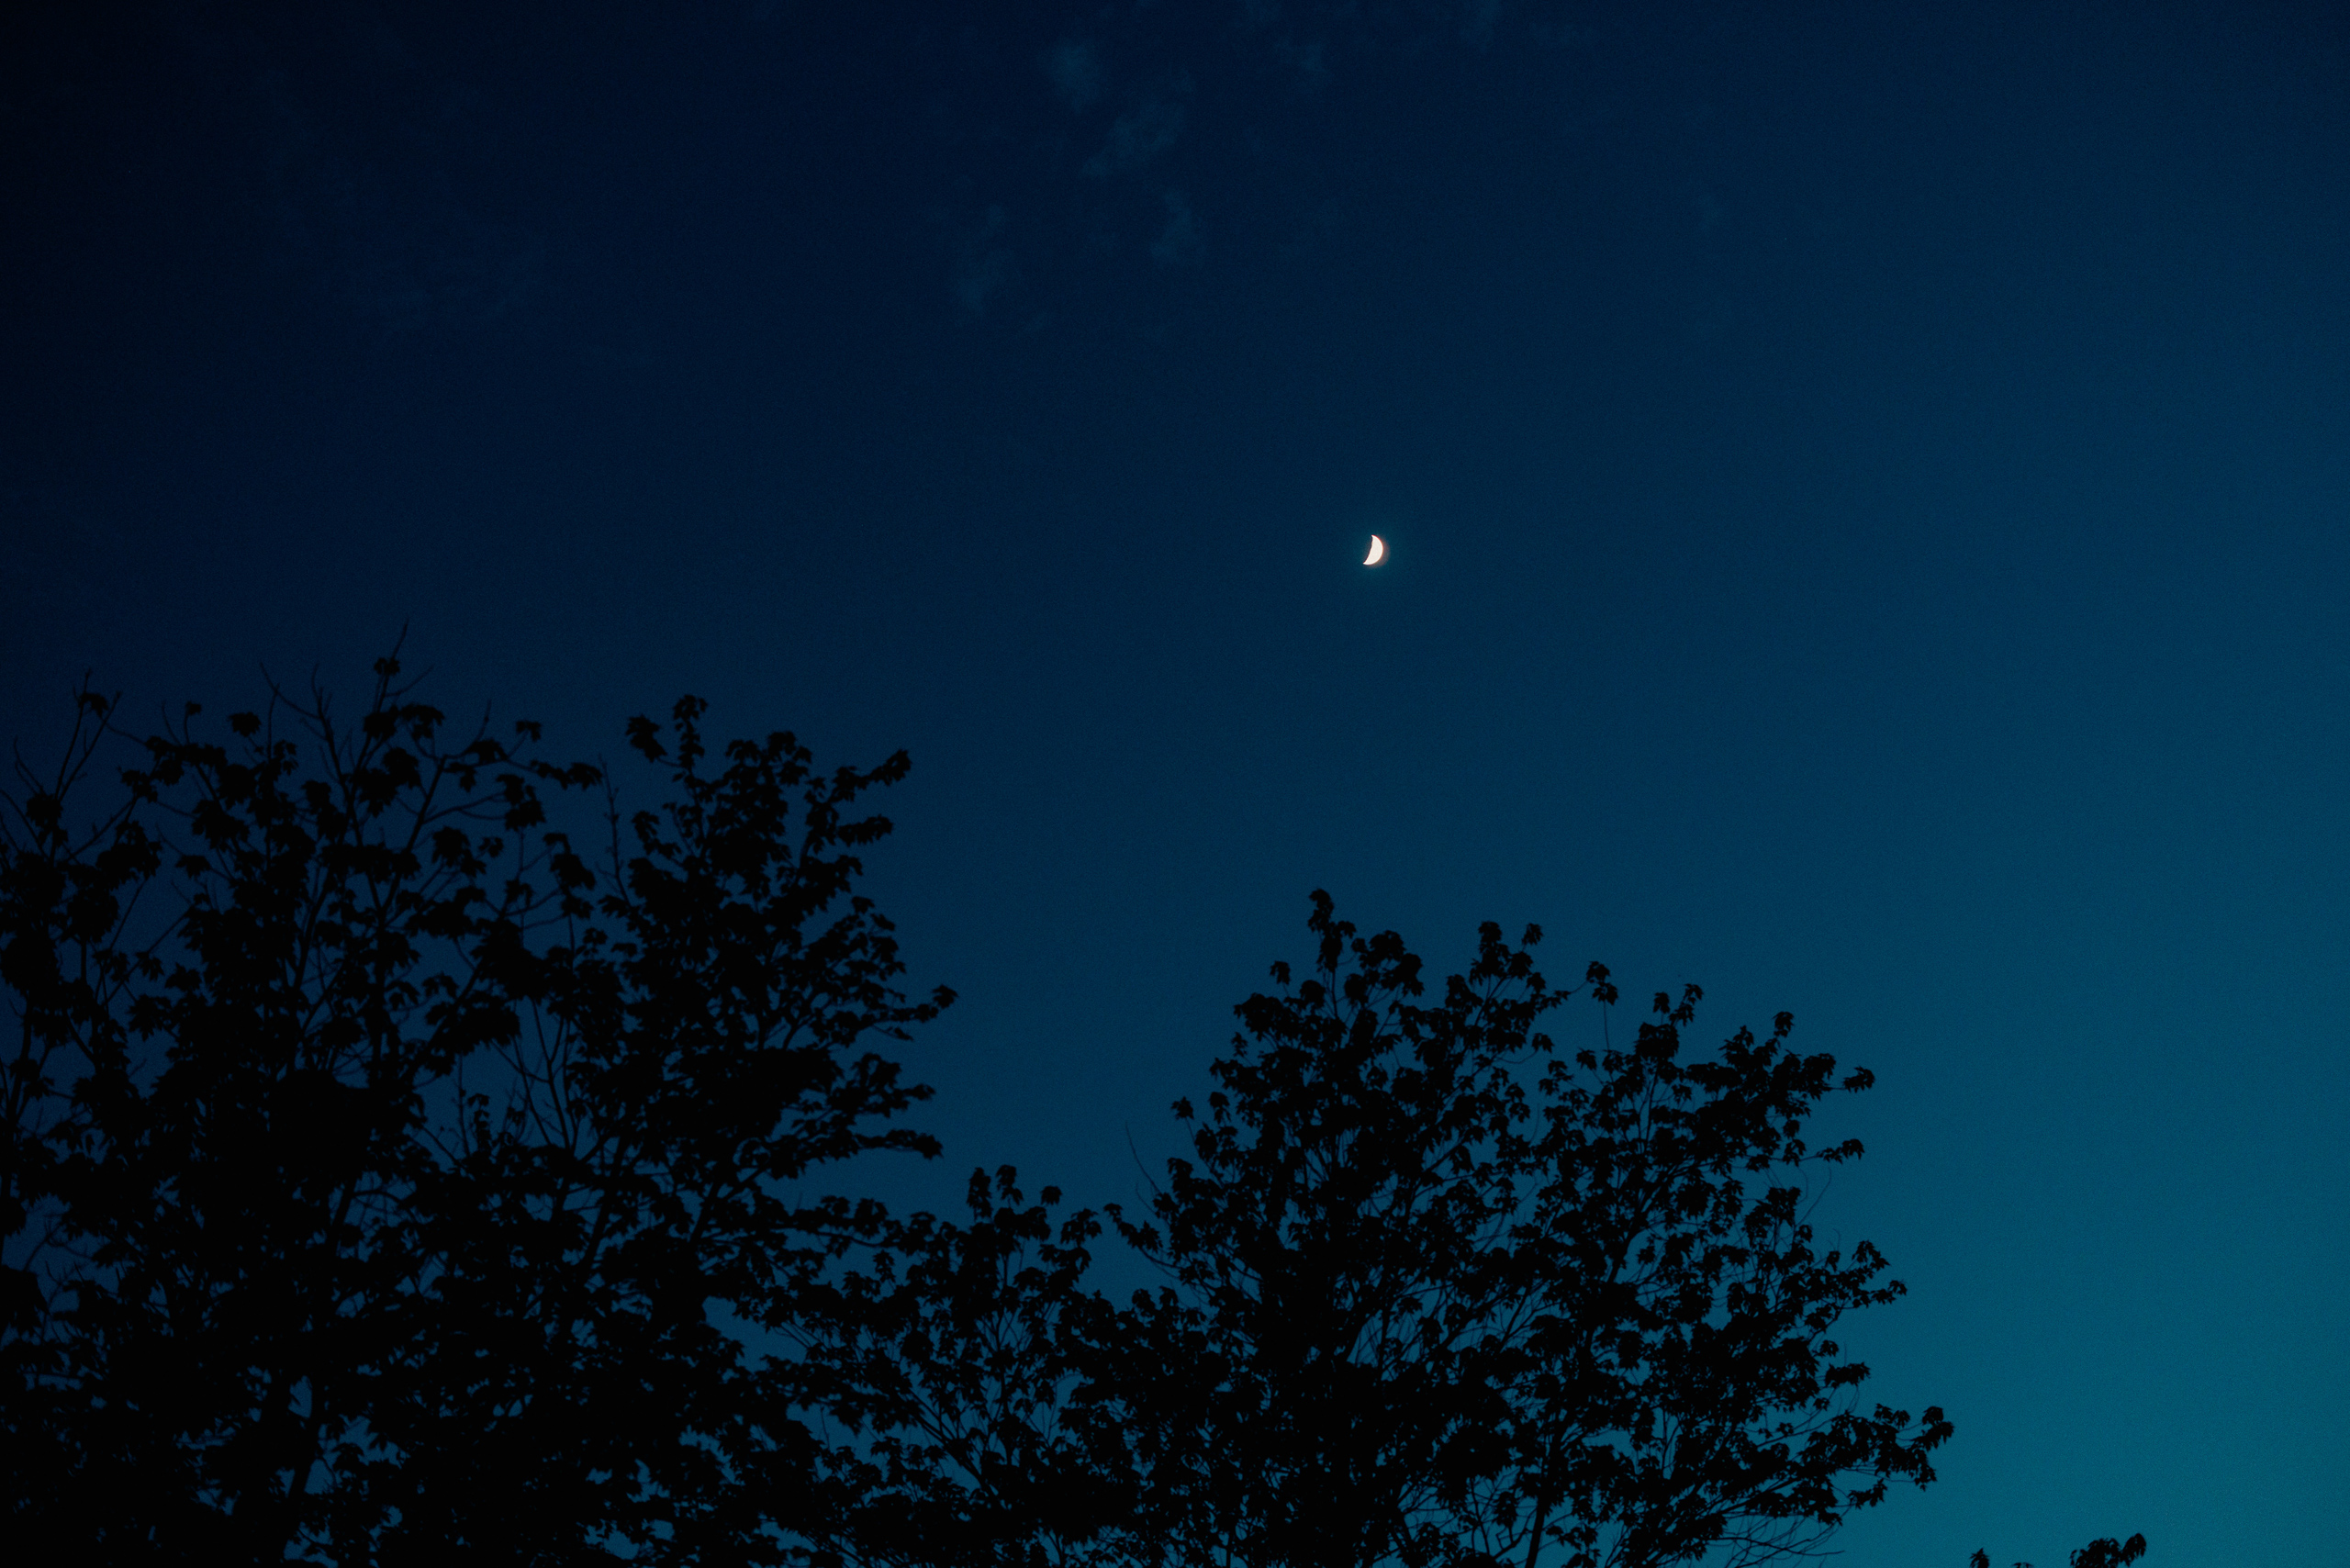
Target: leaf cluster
pixel 2108 1552
pixel 394 1174
pixel 387 1175
pixel 1442 1292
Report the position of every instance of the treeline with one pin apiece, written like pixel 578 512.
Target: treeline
pixel 414 1157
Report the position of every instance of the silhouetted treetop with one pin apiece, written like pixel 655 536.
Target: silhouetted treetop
pixel 379 1153
pixel 1441 1290
pixel 2105 1553
pixel 413 1156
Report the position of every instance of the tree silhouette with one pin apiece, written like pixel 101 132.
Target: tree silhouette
pixel 970 1415
pixel 1443 1292
pixel 376 1164
pixel 2106 1552
pixel 391 1180
pixel 1438 1293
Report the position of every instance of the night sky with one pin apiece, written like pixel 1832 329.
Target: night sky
pixel 1867 489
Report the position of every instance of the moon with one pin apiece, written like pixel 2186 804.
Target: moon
pixel 1378 552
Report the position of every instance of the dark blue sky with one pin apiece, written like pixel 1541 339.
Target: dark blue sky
pixel 1867 486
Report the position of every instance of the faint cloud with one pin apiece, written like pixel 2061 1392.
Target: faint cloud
pixel 1710 321
pixel 987 265
pixel 1075 66
pixel 1136 137
pixel 1179 243
pixel 405 263
pixel 387 239
pixel 1313 65
pixel 1477 21
pixel 1309 60
pixel 1710 212
pixel 409 267
pixel 1319 227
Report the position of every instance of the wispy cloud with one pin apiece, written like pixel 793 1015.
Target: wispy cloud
pixel 390 241
pixel 985 265
pixel 1138 135
pixel 1075 65
pixel 1179 243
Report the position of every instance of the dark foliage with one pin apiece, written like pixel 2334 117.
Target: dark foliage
pixel 956 1366
pixel 382 1178
pixel 2106 1552
pixel 389 1180
pixel 1443 1292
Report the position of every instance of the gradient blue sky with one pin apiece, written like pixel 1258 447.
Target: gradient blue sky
pixel 1867 486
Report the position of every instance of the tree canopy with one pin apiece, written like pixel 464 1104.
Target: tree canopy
pixel 1443 1292
pixel 414 1155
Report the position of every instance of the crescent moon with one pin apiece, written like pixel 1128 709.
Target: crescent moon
pixel 1378 552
